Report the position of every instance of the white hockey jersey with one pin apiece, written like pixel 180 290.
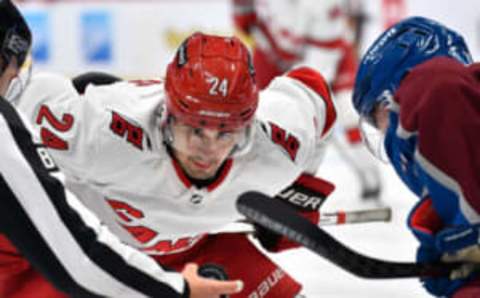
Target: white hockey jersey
pixel 109 144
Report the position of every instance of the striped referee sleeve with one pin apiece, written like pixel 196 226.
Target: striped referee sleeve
pixel 59 236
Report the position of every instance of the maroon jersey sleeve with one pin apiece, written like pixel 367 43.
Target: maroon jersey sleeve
pixel 440 102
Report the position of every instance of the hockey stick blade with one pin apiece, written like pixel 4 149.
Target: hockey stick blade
pixel 280 218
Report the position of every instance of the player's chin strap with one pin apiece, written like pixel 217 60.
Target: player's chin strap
pixel 244 146
pixel 165 126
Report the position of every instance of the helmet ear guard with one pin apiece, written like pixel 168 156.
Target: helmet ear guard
pixel 395 52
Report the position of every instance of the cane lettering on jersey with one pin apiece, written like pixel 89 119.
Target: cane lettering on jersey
pixel 130 218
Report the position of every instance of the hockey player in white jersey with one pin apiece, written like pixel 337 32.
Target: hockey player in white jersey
pixel 288 34
pixel 166 160
pixel 51 246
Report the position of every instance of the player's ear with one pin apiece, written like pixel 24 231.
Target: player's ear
pixel 9 72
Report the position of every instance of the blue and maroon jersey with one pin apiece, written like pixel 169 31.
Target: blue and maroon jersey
pixel 433 140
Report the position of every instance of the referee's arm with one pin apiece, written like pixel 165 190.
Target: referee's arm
pixel 58 235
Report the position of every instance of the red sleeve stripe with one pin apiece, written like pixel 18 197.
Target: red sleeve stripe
pixel 317 83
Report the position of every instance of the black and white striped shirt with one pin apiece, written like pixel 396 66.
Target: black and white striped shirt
pixel 58 235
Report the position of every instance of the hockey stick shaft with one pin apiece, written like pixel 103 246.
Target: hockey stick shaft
pixel 359 216
pixel 283 220
pixel 326 219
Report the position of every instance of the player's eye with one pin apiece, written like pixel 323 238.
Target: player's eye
pixel 225 135
pixel 197 132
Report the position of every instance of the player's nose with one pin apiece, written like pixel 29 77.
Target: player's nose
pixel 208 146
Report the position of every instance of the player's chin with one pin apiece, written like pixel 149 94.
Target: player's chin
pixel 202 172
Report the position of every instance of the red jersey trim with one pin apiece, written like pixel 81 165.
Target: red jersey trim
pixel 226 169
pixel 181 174
pixel 317 83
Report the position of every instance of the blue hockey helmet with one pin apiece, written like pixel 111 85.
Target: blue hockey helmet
pixel 399 49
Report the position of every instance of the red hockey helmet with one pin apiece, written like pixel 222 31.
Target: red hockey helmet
pixel 210 83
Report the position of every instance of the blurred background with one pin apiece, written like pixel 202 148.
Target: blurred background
pixel 135 38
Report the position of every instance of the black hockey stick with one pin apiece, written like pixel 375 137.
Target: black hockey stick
pixel 282 219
